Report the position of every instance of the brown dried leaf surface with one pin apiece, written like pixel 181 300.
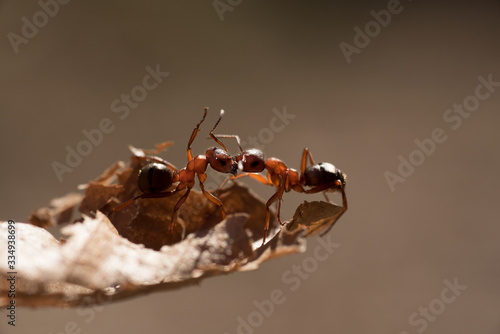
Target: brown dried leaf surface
pixel 59 211
pixel 131 253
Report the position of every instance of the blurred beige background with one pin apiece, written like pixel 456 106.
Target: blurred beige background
pixel 398 250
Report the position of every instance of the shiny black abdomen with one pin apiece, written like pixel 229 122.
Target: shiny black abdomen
pixel 321 173
pixel 154 178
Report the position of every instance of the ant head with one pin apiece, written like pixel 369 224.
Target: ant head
pixel 251 161
pixel 220 160
pixel 154 178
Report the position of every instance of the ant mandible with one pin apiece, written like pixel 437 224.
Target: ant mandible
pixel 157 176
pixel 318 177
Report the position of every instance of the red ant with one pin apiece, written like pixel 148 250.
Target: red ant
pixel 156 177
pixel 318 177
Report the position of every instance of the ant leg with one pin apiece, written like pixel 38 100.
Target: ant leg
pixel 255 176
pixel 236 137
pixel 326 186
pixel 148 195
pixel 303 161
pixel 223 183
pixel 283 186
pixel 323 187
pixel 212 132
pixel 158 195
pixel 152 158
pixel 123 205
pixel 176 208
pixel 277 195
pixel 213 199
pixel 214 137
pixel 344 204
pixel 193 135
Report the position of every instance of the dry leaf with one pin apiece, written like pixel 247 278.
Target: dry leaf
pixel 132 252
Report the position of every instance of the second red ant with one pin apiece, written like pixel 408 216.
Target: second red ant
pixel 318 177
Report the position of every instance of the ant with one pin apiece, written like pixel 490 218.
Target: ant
pixel 156 177
pixel 318 177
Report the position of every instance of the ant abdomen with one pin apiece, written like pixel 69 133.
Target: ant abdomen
pixel 323 173
pixel 154 178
